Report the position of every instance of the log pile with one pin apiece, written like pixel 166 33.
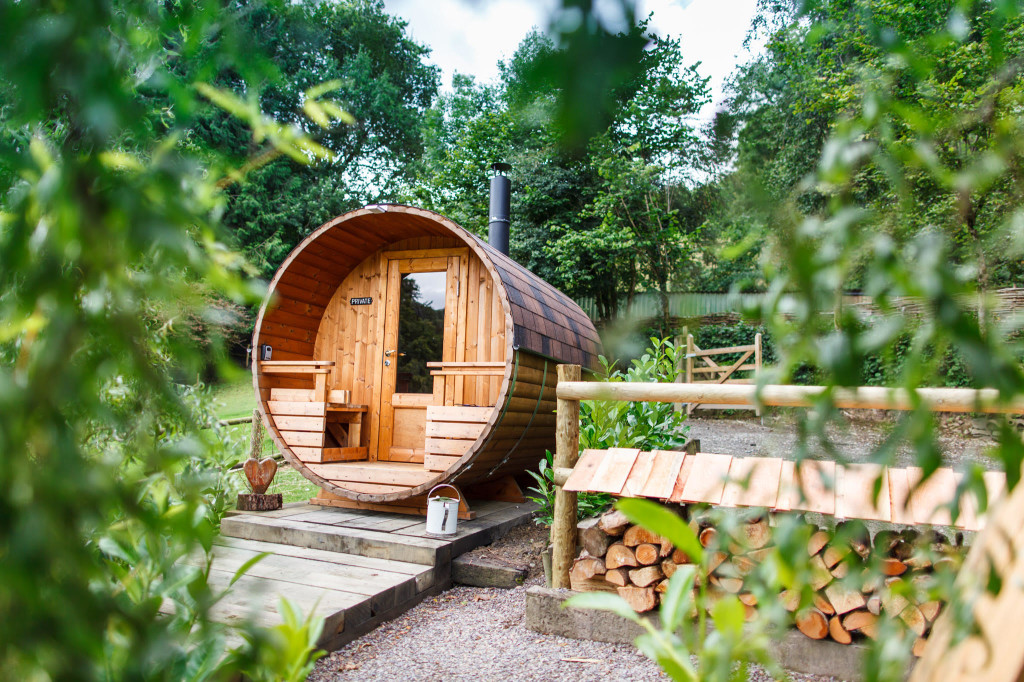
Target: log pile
pixel 854 582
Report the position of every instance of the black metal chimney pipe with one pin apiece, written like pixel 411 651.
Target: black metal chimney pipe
pixel 497 229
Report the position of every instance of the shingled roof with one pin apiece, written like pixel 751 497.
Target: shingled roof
pixel 546 321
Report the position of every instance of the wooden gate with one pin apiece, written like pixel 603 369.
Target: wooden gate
pixel 701 369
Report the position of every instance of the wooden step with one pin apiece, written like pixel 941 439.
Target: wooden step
pixel 368 543
pixel 354 568
pixel 350 592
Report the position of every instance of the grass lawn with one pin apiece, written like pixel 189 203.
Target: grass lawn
pixel 237 399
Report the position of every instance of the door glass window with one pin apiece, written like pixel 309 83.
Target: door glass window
pixel 420 330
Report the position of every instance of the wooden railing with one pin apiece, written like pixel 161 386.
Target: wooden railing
pixel 942 659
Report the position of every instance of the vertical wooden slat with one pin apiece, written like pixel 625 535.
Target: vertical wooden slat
pixel 899 496
pixel 483 330
pixel 753 482
pixel 497 342
pixel 637 479
pixel 583 472
pixel 567 444
pixel 451 325
pixel 757 364
pixel 472 294
pixel 683 478
pixel 460 336
pixel 378 360
pixel 707 479
pixel 664 473
pixel 929 497
pixel 855 498
pixel 689 367
pixel 817 484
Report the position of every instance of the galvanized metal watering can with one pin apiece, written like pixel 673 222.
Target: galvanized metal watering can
pixel 442 512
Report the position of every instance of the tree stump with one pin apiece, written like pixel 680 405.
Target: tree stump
pixel 255 502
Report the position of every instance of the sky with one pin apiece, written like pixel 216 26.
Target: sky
pixel 470 36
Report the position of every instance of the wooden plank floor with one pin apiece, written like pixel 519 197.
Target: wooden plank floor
pixel 354 568
pixel 854 491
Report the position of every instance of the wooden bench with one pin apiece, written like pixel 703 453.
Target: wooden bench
pixel 317 424
pixel 450 431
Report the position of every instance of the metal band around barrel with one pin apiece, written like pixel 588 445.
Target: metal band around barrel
pixel 536 408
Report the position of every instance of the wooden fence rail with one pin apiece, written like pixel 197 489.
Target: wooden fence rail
pixel 993 654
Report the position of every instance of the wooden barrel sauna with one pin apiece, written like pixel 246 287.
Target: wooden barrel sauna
pixel 396 351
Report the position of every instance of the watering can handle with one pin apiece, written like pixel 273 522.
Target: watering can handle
pixel 445 485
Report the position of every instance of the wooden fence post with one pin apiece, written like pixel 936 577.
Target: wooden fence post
pixel 689 368
pixel 567 448
pixel 757 364
pixel 680 364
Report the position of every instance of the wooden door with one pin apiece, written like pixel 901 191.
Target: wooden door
pixel 421 317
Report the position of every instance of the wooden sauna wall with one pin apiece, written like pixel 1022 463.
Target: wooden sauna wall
pixel 291 322
pixel 350 336
pixel 484 333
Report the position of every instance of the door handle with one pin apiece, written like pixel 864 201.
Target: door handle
pixel 389 353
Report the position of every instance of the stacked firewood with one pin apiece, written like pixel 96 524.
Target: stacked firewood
pixel 623 558
pixel 854 582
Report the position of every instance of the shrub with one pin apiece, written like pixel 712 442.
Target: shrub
pixel 613 424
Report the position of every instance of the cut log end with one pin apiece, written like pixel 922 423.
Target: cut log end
pixel 838 632
pixel 818 542
pixel 617 576
pixel 619 555
pixel 613 523
pixel 648 575
pixel 638 535
pixel 646 554
pixel 812 623
pixel 641 599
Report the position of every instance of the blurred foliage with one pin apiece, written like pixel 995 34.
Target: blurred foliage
pixel 920 121
pixel 112 470
pixel 587 504
pixel 644 425
pixel 880 147
pixel 379 87
pixel 932 86
pixel 883 367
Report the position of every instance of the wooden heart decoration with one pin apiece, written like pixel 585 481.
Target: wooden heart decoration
pixel 260 474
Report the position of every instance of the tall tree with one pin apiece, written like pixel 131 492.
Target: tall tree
pixel 823 65
pixel 377 76
pixel 602 221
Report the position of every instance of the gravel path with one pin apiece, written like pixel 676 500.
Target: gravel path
pixel 478 634
pixel 471 633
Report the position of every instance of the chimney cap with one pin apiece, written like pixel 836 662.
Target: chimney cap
pixel 500 168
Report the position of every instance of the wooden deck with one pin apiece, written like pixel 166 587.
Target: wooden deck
pixel 356 569
pixel 824 487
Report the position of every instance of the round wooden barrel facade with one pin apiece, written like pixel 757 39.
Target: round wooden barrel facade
pixel 396 351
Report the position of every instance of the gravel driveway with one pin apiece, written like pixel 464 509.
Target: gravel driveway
pixel 960 437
